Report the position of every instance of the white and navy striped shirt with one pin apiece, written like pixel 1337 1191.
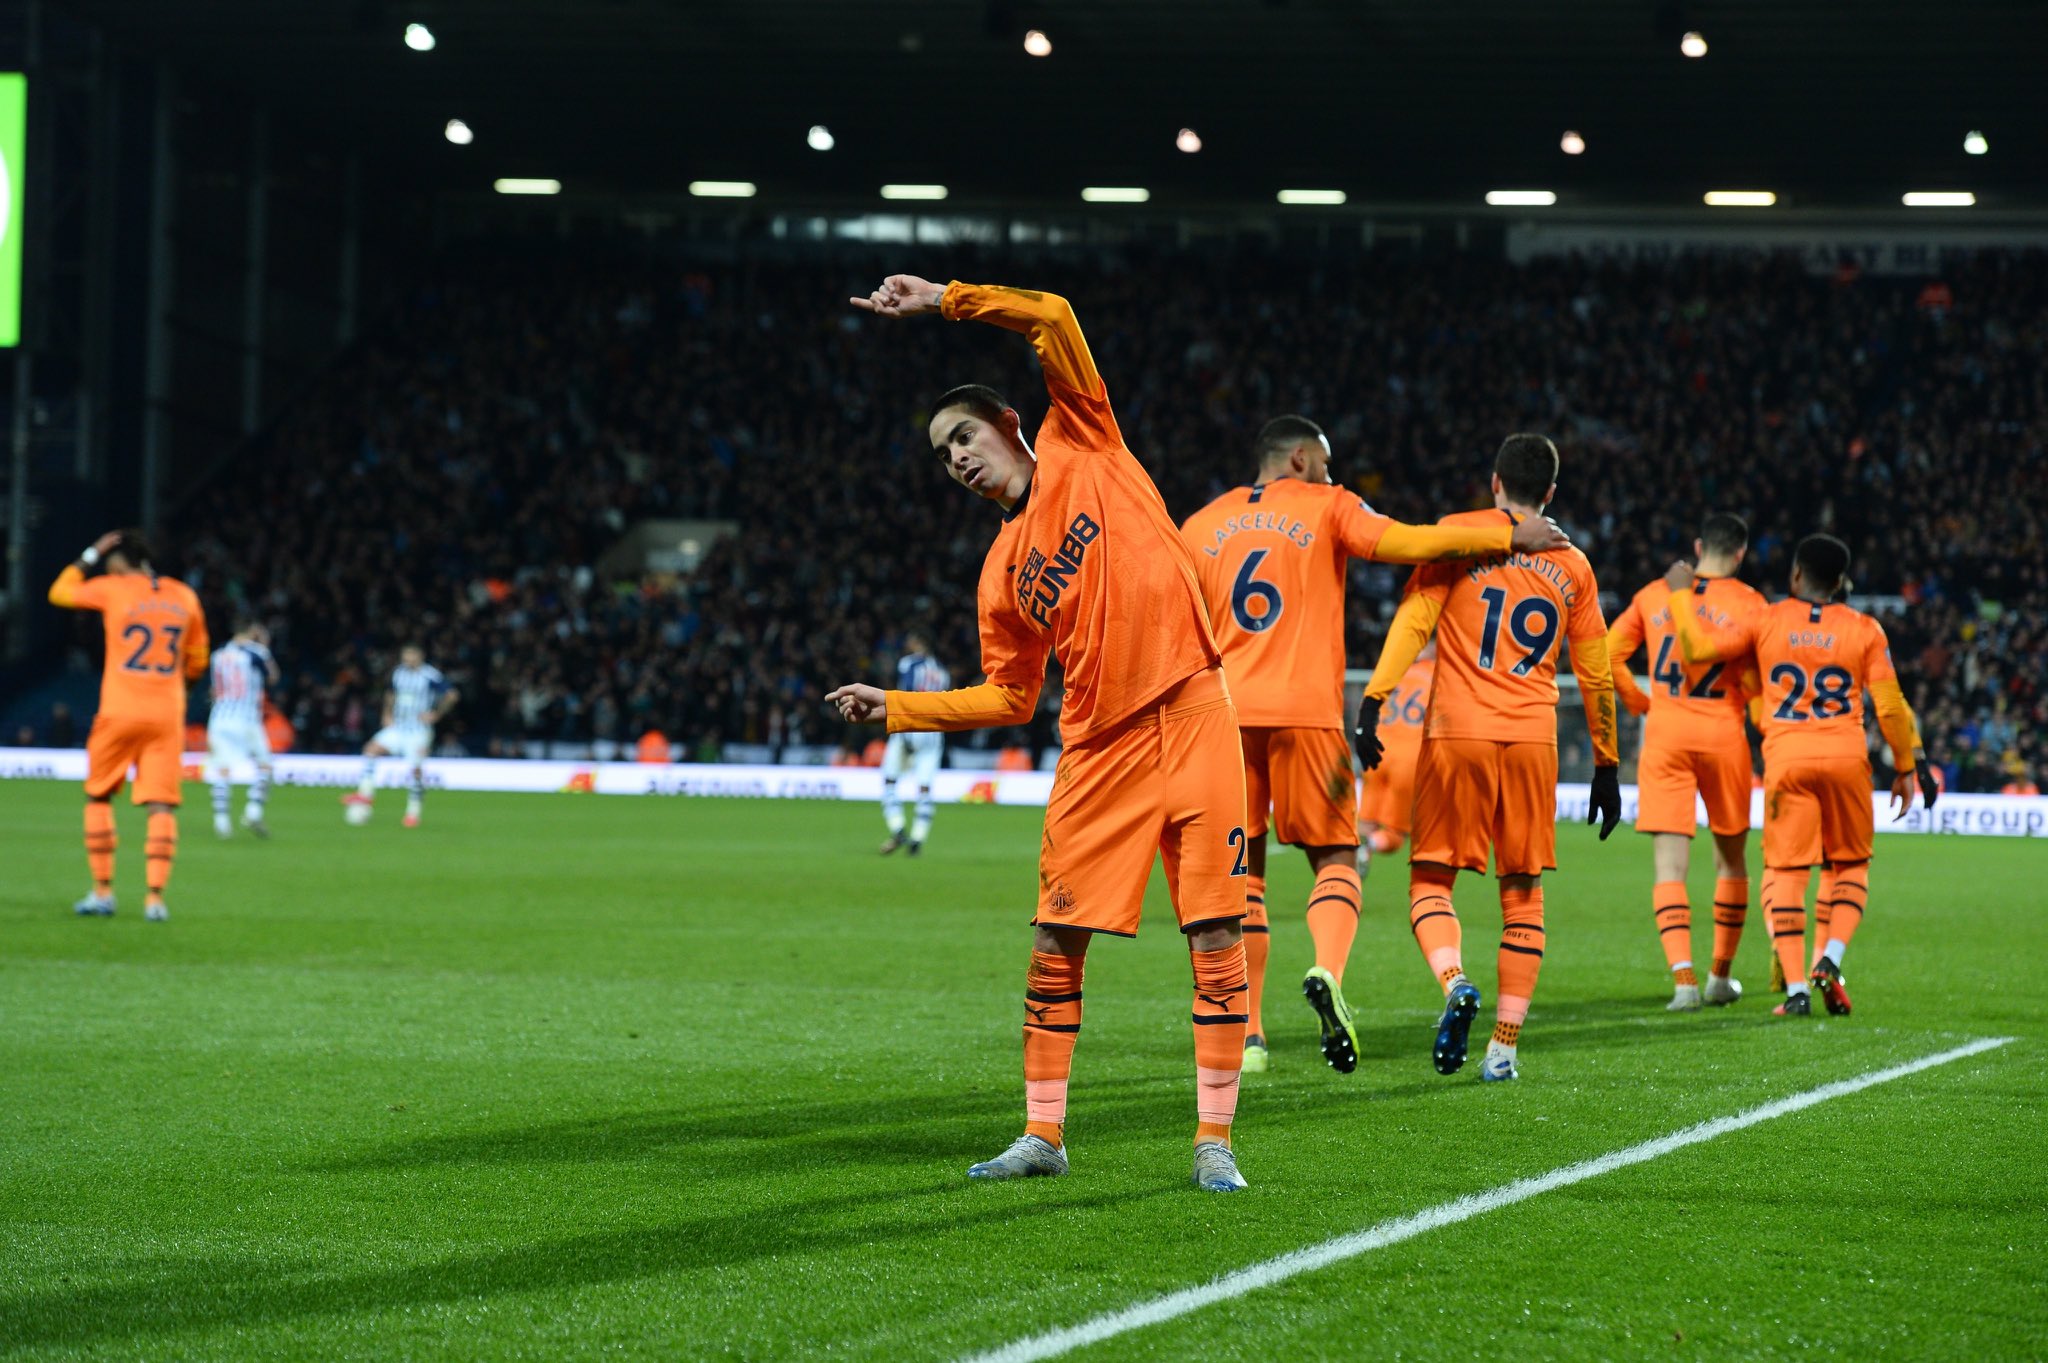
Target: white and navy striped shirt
pixel 920 672
pixel 415 691
pixel 240 670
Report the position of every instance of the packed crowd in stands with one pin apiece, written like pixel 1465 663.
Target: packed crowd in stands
pixel 457 478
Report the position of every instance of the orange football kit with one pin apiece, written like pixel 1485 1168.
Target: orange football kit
pixel 1088 567
pixel 1387 797
pixel 1486 780
pixel 1272 561
pixel 1815 661
pixel 156 643
pixel 1693 745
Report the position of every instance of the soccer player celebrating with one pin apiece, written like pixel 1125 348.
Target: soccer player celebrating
pixel 1817 655
pixel 156 643
pixel 1386 795
pixel 234 727
pixel 1693 744
pixel 916 670
pixel 1272 560
pixel 1089 568
pixel 1487 777
pixel 415 702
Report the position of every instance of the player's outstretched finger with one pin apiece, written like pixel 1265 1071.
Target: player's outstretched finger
pixel 864 304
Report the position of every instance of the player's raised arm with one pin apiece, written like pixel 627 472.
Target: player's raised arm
pixel 1046 318
pixel 73 590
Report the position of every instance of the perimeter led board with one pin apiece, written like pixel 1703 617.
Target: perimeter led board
pixel 13 127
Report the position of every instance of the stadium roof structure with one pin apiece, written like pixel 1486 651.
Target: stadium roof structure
pixel 1837 105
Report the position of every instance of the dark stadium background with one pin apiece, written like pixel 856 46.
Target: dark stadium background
pixel 274 314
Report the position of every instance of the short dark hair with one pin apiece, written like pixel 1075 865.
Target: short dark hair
pixel 133 546
pixel 1278 437
pixel 1824 559
pixel 1724 532
pixel 1527 465
pixel 978 398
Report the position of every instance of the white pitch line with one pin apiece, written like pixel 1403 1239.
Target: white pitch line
pixel 1053 1343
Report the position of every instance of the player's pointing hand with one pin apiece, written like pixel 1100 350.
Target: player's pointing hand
pixel 858 704
pixel 902 295
pixel 1534 534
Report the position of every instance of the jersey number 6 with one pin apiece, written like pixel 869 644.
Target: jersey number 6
pixel 1247 589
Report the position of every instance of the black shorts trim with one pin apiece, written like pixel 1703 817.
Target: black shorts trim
pixel 1082 927
pixel 1201 923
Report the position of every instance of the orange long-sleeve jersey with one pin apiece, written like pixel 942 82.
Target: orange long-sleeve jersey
pixel 1815 661
pixel 1500 624
pixel 1693 707
pixel 1087 566
pixel 1272 560
pixel 156 639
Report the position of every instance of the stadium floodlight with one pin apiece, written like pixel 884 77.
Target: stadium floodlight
pixel 1938 198
pixel 1571 144
pixel 1188 140
pixel 820 138
pixel 1693 45
pixel 1115 194
pixel 1037 44
pixel 1740 198
pixel 515 185
pixel 913 191
pixel 458 132
pixel 1311 196
pixel 419 37
pixel 722 189
pixel 1524 198
pixel 1975 143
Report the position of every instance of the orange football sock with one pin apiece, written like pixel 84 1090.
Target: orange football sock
pixel 1333 916
pixel 159 849
pixel 1219 1020
pixel 1258 944
pixel 1785 902
pixel 1674 926
pixel 1731 911
pixel 1845 889
pixel 1434 922
pixel 99 845
pixel 1052 1024
pixel 1521 959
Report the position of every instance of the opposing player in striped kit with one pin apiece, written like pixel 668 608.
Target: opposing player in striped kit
pixel 418 698
pixel 242 669
pixel 915 754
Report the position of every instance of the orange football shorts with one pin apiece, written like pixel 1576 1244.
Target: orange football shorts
pixel 1474 795
pixel 1819 810
pixel 1304 777
pixel 1168 782
pixel 154 748
pixel 1667 778
pixel 1388 798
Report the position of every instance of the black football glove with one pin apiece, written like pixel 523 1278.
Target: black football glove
pixel 1929 787
pixel 1366 735
pixel 1605 808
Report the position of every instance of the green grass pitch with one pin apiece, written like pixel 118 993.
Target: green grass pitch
pixel 566 1077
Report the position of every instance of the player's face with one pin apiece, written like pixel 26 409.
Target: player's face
pixel 985 457
pixel 412 657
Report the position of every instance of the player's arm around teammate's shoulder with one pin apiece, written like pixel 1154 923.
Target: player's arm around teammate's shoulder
pixel 73 590
pixel 1698 641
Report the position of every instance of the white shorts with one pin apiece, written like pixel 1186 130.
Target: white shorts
pixel 411 741
pixel 231 742
pixel 917 753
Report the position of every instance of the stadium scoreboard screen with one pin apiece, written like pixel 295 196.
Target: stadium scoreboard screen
pixel 13 139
